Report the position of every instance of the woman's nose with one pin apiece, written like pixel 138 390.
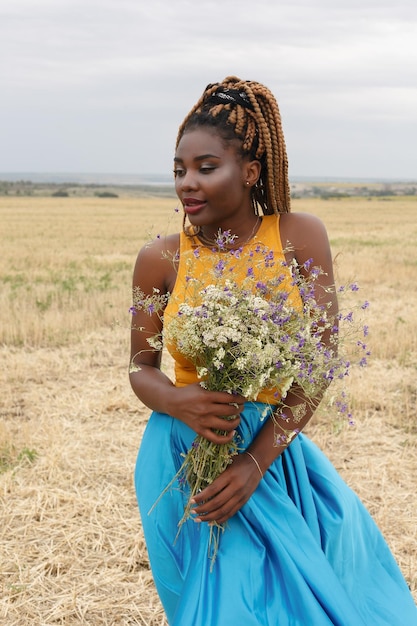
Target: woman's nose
pixel 188 181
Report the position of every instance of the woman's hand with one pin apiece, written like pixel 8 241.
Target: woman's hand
pixel 204 411
pixel 228 493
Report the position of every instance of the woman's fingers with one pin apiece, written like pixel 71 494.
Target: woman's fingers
pixel 219 430
pixel 220 423
pixel 218 510
pixel 216 438
pixel 227 494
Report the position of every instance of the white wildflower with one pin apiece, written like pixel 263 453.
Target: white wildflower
pixel 155 342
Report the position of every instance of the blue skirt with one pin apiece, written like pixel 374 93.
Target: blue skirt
pixel 303 550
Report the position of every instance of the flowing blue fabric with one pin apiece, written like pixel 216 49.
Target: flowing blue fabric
pixel 303 551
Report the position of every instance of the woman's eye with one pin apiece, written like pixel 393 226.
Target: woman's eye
pixel 207 169
pixel 178 172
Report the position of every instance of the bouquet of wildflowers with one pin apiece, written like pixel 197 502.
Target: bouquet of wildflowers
pixel 244 336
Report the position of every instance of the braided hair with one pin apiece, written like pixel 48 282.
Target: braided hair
pixel 248 112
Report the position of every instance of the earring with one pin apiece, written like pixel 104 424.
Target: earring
pixel 247 182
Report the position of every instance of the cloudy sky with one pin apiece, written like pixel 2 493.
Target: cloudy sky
pixel 102 85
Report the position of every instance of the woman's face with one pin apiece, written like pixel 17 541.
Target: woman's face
pixel 210 181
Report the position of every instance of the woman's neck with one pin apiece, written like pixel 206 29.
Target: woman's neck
pixel 227 238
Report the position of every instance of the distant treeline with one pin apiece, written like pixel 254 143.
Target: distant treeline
pixel 325 191
pixel 65 190
pixel 335 191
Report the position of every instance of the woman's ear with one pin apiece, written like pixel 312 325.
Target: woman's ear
pixel 252 171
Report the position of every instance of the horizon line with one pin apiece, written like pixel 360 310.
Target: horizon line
pixel 125 178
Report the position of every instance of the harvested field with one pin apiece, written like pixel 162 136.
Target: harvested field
pixel 71 546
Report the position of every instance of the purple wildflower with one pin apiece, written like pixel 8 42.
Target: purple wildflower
pixel 219 267
pixel 281 440
pixel 269 259
pixel 236 253
pixel 262 287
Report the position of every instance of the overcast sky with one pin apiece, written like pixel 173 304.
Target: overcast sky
pixel 102 85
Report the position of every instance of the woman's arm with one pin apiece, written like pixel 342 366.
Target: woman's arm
pixel 229 492
pixel 200 409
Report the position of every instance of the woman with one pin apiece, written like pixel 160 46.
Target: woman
pixel 299 548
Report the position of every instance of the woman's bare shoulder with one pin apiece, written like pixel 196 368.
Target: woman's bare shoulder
pixel 301 224
pixel 156 262
pixel 160 248
pixel 305 233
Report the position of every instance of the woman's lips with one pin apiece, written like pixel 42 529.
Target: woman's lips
pixel 192 206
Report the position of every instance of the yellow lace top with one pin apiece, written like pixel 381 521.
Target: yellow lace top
pixel 198 261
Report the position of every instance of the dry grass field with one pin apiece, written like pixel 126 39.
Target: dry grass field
pixel 71 547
